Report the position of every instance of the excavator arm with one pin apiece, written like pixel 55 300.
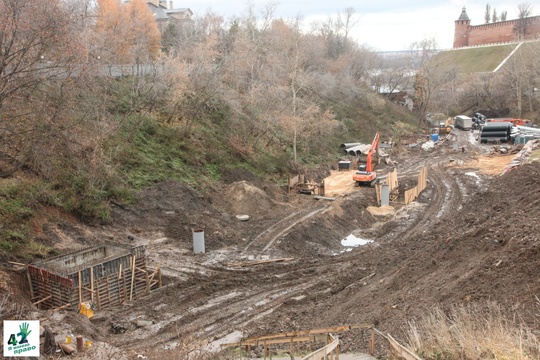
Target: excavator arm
pixel 365 173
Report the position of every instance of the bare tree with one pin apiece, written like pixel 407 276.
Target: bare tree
pixel 39 51
pixel 487 15
pixel 504 15
pixel 523 23
pixel 35 44
pixel 423 53
pixel 336 32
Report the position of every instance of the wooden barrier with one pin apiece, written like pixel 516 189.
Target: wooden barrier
pixel 392 181
pixel 397 350
pixel 324 351
pixel 412 194
pixel 292 182
pixel 329 351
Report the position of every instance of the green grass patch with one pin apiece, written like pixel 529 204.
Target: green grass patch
pixel 473 60
pixel 17 207
pixel 148 152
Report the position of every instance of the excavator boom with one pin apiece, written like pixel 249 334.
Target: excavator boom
pixel 365 173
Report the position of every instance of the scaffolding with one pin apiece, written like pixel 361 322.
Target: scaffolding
pixel 103 276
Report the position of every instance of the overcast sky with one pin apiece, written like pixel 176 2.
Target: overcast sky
pixel 383 25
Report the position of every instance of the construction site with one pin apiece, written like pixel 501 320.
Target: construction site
pixel 333 265
pixel 103 275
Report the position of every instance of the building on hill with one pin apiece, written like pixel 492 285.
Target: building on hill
pixel 515 30
pixel 165 13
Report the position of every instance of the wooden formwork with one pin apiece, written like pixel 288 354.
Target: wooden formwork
pixel 392 181
pixel 103 275
pixel 412 194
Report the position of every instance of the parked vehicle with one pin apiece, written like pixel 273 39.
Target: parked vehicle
pixel 463 122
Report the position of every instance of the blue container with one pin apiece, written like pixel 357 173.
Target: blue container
pixel 435 137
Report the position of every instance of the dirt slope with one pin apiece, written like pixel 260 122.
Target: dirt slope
pixel 470 237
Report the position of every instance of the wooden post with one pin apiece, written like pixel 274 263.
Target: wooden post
pixel 291 348
pixel 265 350
pixel 159 277
pixel 97 297
pixel 132 277
pixel 80 345
pixel 30 287
pixel 108 290
pixel 80 288
pixel 147 278
pixel 92 282
pixel 372 343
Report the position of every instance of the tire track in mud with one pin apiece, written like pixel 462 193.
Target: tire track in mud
pixel 219 314
pixel 264 240
pixel 225 309
pixel 445 195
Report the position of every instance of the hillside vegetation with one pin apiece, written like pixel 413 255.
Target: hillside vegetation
pixel 475 59
pixel 254 94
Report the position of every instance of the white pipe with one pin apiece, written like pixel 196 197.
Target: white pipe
pixel 527 129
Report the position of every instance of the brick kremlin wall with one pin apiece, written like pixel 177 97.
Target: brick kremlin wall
pixel 501 32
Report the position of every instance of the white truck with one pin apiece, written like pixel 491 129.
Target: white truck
pixel 463 122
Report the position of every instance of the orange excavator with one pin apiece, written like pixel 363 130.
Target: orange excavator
pixel 365 174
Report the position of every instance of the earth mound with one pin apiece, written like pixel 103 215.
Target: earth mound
pixel 244 198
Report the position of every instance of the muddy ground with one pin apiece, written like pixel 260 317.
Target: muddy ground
pixel 471 236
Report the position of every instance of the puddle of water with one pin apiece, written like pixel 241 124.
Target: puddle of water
pixel 354 241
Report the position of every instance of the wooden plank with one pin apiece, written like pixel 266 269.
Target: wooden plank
pixel 257 262
pixel 30 287
pixel 108 289
pixel 401 350
pixel 61 307
pixel 16 263
pixel 92 282
pixel 42 300
pixel 97 299
pixel 80 288
pixel 322 352
pixel 132 278
pixel 285 340
pixel 310 332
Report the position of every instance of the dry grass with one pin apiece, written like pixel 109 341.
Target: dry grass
pixel 475 59
pixel 472 332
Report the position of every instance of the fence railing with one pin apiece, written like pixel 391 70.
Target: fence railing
pixel 330 350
